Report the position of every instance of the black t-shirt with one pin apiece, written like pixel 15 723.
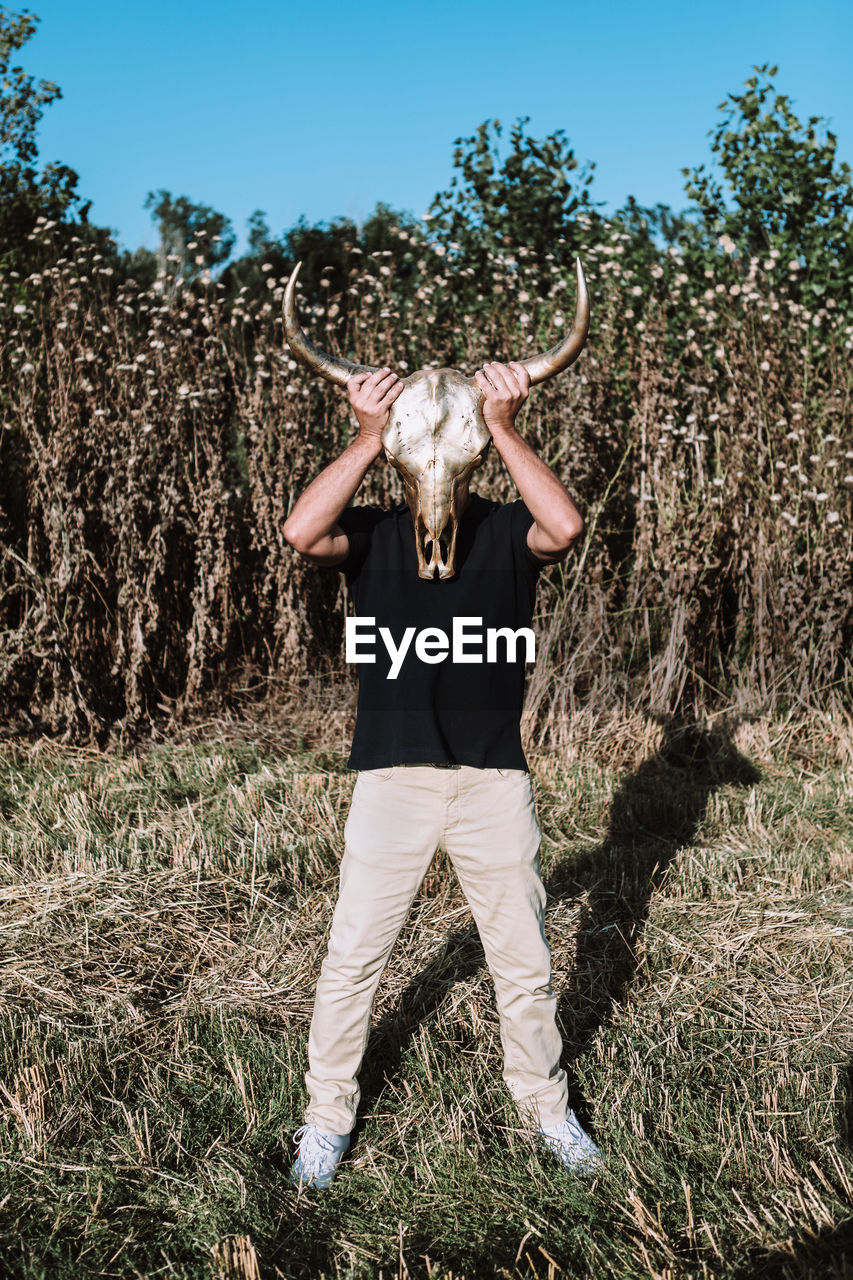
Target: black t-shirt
pixel 447 711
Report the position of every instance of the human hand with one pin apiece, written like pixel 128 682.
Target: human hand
pixel 371 396
pixel 505 388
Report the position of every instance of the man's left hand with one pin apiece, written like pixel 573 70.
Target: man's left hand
pixel 505 387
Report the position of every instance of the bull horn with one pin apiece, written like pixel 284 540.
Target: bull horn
pixel 561 356
pixel 332 368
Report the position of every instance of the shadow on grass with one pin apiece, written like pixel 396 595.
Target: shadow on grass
pixel 655 811
pixel 826 1255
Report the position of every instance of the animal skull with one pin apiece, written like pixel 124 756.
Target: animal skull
pixel 436 435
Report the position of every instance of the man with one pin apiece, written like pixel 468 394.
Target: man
pixel 438 749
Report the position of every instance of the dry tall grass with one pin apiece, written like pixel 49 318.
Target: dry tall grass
pixel 153 442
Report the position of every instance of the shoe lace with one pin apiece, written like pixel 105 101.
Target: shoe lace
pixel 312 1146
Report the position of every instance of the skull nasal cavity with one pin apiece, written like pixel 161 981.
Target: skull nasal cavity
pixel 442 549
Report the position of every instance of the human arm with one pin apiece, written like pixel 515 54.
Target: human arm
pixel 556 520
pixel 312 527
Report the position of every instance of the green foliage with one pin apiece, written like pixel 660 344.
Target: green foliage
pixel 246 277
pixel 260 237
pixel 529 198
pixel 331 254
pixel 27 197
pixel 790 197
pixel 22 99
pixel 192 236
pixel 324 251
pixel 25 194
pixel 328 252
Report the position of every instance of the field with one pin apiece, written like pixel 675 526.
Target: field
pixel 176 714
pixel 162 920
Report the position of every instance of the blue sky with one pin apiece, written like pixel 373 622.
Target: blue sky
pixel 321 110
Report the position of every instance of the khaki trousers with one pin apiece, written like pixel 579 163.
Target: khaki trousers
pixel 486 821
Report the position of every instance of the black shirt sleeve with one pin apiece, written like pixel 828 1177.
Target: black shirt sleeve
pixel 520 522
pixel 358 524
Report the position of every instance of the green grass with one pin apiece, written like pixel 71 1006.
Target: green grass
pixel 162 922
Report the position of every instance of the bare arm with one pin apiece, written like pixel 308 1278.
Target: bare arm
pixel 556 520
pixel 312 527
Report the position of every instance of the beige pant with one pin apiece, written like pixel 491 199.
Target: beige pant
pixel 400 816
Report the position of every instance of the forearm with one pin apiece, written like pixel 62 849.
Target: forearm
pixel 558 521
pixel 311 526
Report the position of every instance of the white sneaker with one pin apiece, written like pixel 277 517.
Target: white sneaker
pixel 574 1148
pixel 317 1156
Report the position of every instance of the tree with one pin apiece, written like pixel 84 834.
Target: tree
pixel 257 271
pixel 25 194
pixel 260 236
pixel 789 197
pixel 530 198
pixel 22 99
pixel 193 236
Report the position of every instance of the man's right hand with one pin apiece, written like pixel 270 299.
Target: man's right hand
pixel 371 396
pixel 312 527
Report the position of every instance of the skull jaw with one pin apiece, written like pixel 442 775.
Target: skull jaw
pixel 446 521
pixel 445 568
pixel 437 565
